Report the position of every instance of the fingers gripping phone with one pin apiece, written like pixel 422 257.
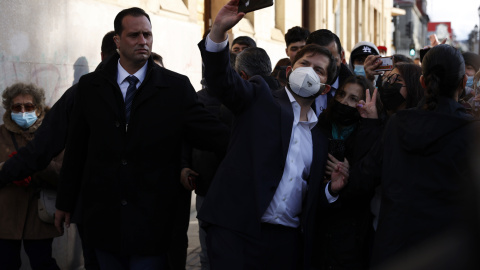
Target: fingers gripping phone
pixel 246 6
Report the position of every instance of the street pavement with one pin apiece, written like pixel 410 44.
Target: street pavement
pixel 193 259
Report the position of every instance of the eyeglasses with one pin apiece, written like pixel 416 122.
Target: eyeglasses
pixel 27 106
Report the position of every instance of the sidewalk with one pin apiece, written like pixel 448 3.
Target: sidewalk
pixel 193 259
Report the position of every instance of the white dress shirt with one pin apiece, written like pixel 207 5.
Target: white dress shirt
pixel 286 205
pixel 122 74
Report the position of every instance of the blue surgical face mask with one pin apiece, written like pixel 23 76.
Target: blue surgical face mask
pixel 24 120
pixel 469 81
pixel 359 71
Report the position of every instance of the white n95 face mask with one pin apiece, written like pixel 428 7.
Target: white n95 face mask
pixel 305 82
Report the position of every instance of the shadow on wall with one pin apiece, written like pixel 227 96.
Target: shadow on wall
pixel 80 68
pixel 53 78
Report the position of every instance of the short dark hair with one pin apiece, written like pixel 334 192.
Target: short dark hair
pixel 253 61
pixel 108 44
pixel 324 37
pixel 296 34
pixel 244 40
pixel 134 11
pixel 157 57
pixel 315 49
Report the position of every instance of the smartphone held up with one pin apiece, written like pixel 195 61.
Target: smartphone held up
pixel 246 6
pixel 387 63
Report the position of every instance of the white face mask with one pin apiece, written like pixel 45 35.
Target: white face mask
pixel 305 82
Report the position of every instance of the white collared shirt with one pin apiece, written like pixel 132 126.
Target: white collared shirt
pixel 286 204
pixel 122 74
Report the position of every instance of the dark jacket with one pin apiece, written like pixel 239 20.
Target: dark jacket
pixel 130 179
pixel 342 233
pixel 247 178
pixel 424 157
pixel 343 74
pixel 205 163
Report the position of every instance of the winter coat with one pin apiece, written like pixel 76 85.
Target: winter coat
pixel 423 162
pixel 19 205
pixel 129 178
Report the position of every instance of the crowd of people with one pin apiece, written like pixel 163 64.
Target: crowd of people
pixel 316 163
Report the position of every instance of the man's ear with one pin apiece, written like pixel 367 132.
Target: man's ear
pixel 342 58
pixel 422 82
pixel 289 68
pixel 286 52
pixel 326 89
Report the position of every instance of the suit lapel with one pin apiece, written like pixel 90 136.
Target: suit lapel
pixel 156 81
pixel 286 119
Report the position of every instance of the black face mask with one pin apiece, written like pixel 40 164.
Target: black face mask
pixel 344 115
pixel 390 95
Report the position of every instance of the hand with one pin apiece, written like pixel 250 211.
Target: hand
pixel 339 177
pixel 331 164
pixel 60 217
pixel 368 108
pixel 226 18
pixel 370 65
pixel 187 178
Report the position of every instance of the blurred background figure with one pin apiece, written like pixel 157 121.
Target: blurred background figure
pixel 295 39
pixel 158 59
pixel 241 43
pixel 19 219
pixel 280 71
pixel 359 53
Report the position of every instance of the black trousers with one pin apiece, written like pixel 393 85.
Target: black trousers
pixel 278 248
pixel 39 253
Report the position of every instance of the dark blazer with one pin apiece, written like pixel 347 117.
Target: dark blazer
pixel 247 179
pixel 129 179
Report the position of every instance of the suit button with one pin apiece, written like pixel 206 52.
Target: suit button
pixel 123 202
pixel 117 124
pixel 124 162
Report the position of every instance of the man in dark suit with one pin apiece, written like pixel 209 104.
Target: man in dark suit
pixel 123 151
pixel 258 205
pixel 330 41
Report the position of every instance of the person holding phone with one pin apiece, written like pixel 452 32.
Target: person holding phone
pixel 422 161
pixel 260 206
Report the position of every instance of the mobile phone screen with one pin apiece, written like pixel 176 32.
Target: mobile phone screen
pixel 252 5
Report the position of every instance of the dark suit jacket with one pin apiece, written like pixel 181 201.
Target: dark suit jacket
pixel 247 179
pixel 129 179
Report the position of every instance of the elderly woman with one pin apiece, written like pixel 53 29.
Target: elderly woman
pixel 19 218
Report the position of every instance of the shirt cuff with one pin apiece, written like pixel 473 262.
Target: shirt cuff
pixel 212 46
pixel 330 198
